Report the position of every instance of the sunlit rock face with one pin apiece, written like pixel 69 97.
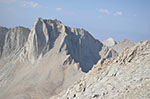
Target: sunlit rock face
pixel 12 40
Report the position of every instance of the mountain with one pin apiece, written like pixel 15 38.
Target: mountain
pixel 120 46
pixel 12 40
pixel 124 77
pixel 47 59
pixel 109 42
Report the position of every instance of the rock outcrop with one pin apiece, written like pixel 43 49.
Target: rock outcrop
pixel 126 77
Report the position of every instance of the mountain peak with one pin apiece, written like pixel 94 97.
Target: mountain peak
pixel 48 21
pixel 39 18
pixel 121 45
pixel 126 40
pixel 109 42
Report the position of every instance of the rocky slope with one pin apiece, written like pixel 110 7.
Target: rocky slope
pixel 126 77
pixel 46 60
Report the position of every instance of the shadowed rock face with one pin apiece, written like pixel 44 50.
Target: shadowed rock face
pixel 82 47
pixel 44 61
pixel 3 32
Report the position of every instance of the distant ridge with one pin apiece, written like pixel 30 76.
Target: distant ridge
pixel 120 46
pixel 109 42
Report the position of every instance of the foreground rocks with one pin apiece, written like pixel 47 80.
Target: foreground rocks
pixel 126 77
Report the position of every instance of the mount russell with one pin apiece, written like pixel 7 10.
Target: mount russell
pixel 46 59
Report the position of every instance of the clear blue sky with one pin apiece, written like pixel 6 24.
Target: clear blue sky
pixel 119 19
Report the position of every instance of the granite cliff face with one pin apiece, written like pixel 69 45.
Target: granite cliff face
pixel 46 60
pixel 125 77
